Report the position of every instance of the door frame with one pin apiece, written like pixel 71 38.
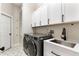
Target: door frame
pixel 11 26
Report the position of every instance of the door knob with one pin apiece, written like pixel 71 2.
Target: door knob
pixel 10 34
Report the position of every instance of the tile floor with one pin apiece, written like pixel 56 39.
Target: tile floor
pixel 16 51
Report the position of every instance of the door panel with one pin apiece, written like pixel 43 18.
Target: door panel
pixel 5 31
pixel 33 20
pixel 36 18
pixel 54 13
pixel 43 11
pixel 71 12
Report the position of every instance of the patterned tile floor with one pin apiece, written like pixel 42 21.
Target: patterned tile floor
pixel 16 51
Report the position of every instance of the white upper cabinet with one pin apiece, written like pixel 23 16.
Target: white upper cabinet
pixel 36 18
pixel 71 12
pixel 54 13
pixel 39 17
pixel 33 20
pixel 43 14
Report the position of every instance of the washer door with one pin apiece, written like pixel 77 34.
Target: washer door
pixel 30 47
pixel 25 42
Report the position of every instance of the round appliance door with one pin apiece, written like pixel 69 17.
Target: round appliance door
pixel 25 42
pixel 32 48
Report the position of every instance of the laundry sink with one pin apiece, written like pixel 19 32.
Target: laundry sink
pixel 65 43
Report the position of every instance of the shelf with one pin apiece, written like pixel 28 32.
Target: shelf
pixel 70 22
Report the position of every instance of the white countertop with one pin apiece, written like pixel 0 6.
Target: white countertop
pixel 76 47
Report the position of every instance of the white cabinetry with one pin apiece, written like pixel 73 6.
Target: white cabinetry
pixel 33 20
pixel 43 14
pixel 36 18
pixel 48 49
pixel 39 17
pixel 71 12
pixel 54 13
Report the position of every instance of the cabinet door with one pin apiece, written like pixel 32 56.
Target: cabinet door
pixel 71 12
pixel 47 49
pixel 36 18
pixel 43 15
pixel 54 13
pixel 38 23
pixel 33 20
pixel 39 17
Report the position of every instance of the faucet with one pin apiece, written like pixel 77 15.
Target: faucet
pixel 51 33
pixel 63 36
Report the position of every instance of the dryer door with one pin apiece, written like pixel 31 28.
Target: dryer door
pixel 30 47
pixel 25 41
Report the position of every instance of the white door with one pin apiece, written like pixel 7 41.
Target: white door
pixel 43 14
pixel 33 20
pixel 54 13
pixel 5 32
pixel 71 12
pixel 36 18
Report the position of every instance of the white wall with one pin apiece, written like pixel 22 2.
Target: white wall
pixel 26 18
pixel 16 25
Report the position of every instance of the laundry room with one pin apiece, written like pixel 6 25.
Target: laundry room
pixel 39 29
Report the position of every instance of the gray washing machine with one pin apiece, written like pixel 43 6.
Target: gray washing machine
pixel 33 44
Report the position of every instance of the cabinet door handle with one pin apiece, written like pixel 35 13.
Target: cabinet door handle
pixel 62 18
pixel 40 22
pixel 54 53
pixel 48 21
pixel 34 24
